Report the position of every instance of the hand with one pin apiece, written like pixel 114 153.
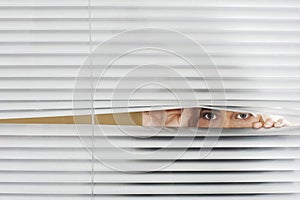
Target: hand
pixel 268 121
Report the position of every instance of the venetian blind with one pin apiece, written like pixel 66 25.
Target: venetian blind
pixel 60 58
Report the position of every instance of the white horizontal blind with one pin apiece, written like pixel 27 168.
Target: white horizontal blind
pixel 253 44
pixel 51 162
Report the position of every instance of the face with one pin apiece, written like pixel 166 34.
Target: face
pixel 225 119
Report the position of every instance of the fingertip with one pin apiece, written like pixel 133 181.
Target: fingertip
pixel 257 125
pixel 279 123
pixel 268 124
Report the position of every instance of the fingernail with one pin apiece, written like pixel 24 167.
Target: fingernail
pixel 257 125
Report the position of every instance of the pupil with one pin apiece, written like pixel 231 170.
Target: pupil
pixel 243 115
pixel 209 115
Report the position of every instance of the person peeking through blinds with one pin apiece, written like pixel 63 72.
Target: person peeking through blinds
pixel 188 117
pixel 206 118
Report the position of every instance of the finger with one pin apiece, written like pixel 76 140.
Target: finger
pixel 189 117
pixel 269 123
pixel 279 123
pixel 261 118
pixel 257 125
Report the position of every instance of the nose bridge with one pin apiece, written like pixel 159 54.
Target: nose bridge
pixel 227 122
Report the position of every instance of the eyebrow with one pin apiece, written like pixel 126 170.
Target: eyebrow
pixel 205 109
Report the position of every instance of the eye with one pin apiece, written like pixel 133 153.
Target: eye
pixel 243 116
pixel 210 116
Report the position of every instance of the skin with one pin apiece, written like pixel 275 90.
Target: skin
pixel 205 118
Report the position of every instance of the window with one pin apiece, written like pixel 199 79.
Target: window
pixel 77 75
